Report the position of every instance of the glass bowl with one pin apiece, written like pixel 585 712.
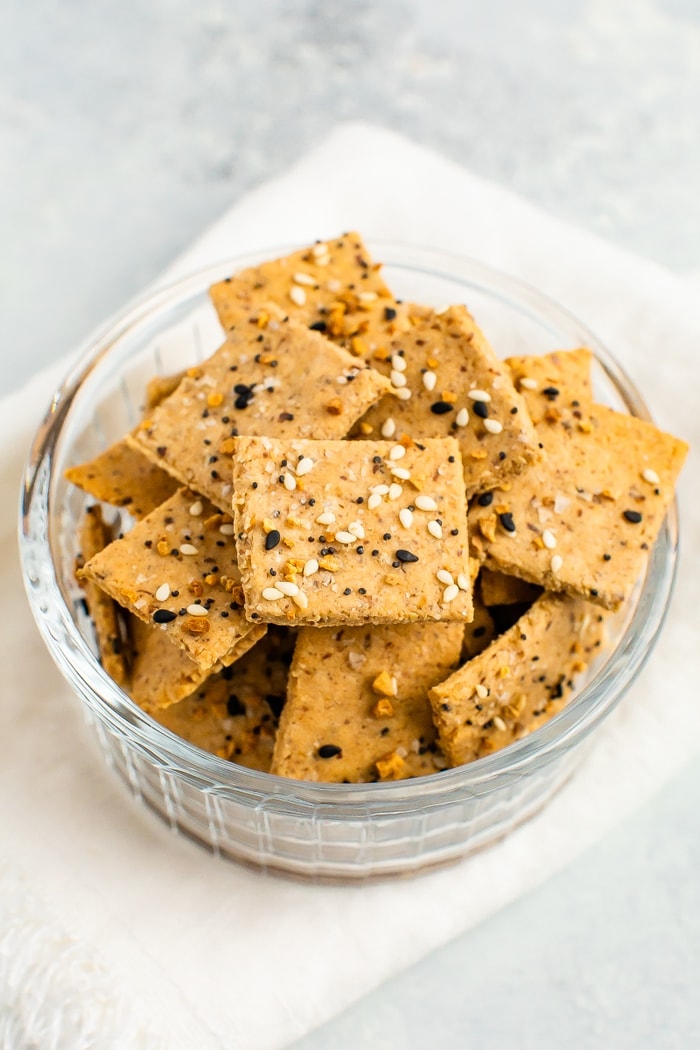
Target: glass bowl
pixel 322 831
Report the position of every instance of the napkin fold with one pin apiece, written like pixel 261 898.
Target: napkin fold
pixel 114 932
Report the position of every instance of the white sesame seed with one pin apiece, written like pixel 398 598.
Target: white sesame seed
pixel 493 426
pixel 429 380
pixel 435 529
pixel 406 517
pixel 528 384
pixel 398 379
pixel 333 285
pixel 556 562
pixel 374 501
pixel 226 529
pixel 397 452
pixel 345 537
pixel 481 691
pixel 395 491
pixel 445 577
pixel 499 723
pixel 271 594
pixel 196 508
pixel 311 567
pixel 304 466
pixel 651 476
pixel 327 518
pixel 398 363
pixel 304 278
pixel 549 539
pixel 388 428
pixel 462 417
pixel 298 297
pixel 450 593
pixel 479 395
pixel 301 600
pixel 290 482
pixel 380 490
pixel 355 527
pixel 367 297
pixel 426 503
pixel 163 592
pixel 197 610
pixel 462 582
pixel 319 249
pixel 188 548
pixel 290 589
pixel 403 394
pixel 400 472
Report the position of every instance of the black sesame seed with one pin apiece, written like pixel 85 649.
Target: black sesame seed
pixel 439 408
pixel 406 556
pixel 234 706
pixel 347 591
pixel 632 516
pixel 506 520
pixel 386 536
pixel 375 552
pixel 454 532
pixel 389 313
pixel 481 409
pixel 318 326
pixel 272 539
pixel 240 402
pixel 485 499
pixel 550 392
pixel 607 557
pixel 329 751
pixel 361 590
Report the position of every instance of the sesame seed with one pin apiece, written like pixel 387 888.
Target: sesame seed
pixel 163 592
pixel 493 426
pixel 450 593
pixel 290 482
pixel 398 363
pixel 196 508
pixel 406 518
pixel 404 394
pixel 367 297
pixel 485 499
pixel 481 409
pixel 311 567
pixel 329 751
pixel 462 582
pixel 345 537
pixel 426 503
pixel 188 548
pixel 528 384
pixel 479 395
pixel 374 501
pixel 327 518
pixel 400 472
pixel 651 476
pixel 304 466
pixel 271 594
pixel 398 379
pixel 319 249
pixel 388 428
pixel 429 380
pixel 272 539
pixel 435 529
pixel 556 562
pixel 499 723
pixel 380 490
pixel 462 417
pixel 297 295
pixel 290 589
pixel 506 520
pixel 633 516
pixel 197 610
pixel 301 600
pixel 397 452
pixel 406 556
pixel 304 278
pixel 355 527
pixel 226 529
pixel 439 408
pixel 445 577
pixel 481 691
pixel 395 491
pixel 549 539
pixel 164 616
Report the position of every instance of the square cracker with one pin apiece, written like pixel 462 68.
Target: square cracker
pixel 370 558
pixel 286 382
pixel 95 535
pixel 188 546
pixel 584 520
pixel 520 681
pixel 555 386
pixel 332 285
pixel 357 702
pixel 234 714
pixel 457 386
pixel 498 589
pixel 124 477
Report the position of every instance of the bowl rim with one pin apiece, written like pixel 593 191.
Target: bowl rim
pixel 589 706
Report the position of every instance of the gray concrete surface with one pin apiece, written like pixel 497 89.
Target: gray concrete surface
pixel 126 127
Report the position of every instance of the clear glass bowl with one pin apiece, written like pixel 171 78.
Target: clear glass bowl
pixel 313 830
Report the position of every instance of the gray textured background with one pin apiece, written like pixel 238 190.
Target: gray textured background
pixel 126 127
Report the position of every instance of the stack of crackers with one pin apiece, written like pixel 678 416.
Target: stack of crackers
pixel 356 545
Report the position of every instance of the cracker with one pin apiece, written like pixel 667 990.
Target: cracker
pixel 458 387
pixel 583 521
pixel 370 558
pixel 95 535
pixel 289 382
pixel 160 387
pixel 234 714
pixel 186 547
pixel 499 589
pixel 480 632
pixel 357 708
pixel 518 683
pixel 333 286
pixel 124 477
pixel 554 384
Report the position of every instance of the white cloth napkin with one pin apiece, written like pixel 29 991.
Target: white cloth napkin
pixel 114 933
